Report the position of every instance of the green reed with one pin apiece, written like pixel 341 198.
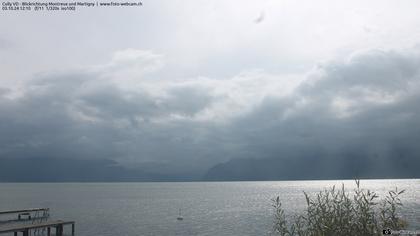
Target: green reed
pixel 336 212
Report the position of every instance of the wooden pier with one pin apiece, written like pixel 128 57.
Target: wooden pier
pixel 25 210
pixel 26 229
pixel 26 213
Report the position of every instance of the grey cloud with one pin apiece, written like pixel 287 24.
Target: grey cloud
pixel 188 99
pixel 157 125
pixel 379 138
pixel 5 44
pixel 80 115
pixel 383 71
pixel 4 91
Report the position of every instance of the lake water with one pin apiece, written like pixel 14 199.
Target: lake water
pixel 208 208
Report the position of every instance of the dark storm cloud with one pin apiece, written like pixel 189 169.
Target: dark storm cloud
pixel 364 107
pixel 371 95
pixel 372 133
pixel 82 116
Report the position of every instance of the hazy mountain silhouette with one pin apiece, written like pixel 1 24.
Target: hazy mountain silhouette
pixel 348 167
pixel 68 170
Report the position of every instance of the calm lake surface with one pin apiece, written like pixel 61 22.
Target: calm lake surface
pixel 208 208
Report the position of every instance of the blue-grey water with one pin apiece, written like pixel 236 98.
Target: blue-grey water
pixel 208 208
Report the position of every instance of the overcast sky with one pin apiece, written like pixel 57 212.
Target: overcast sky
pixel 179 86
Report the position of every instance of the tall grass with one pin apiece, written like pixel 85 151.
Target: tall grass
pixel 336 212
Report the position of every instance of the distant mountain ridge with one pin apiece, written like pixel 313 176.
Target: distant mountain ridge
pixel 313 168
pixel 48 169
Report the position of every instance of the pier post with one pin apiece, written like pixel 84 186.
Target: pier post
pixel 72 229
pixel 48 231
pixel 59 230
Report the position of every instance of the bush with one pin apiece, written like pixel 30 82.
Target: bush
pixel 334 212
